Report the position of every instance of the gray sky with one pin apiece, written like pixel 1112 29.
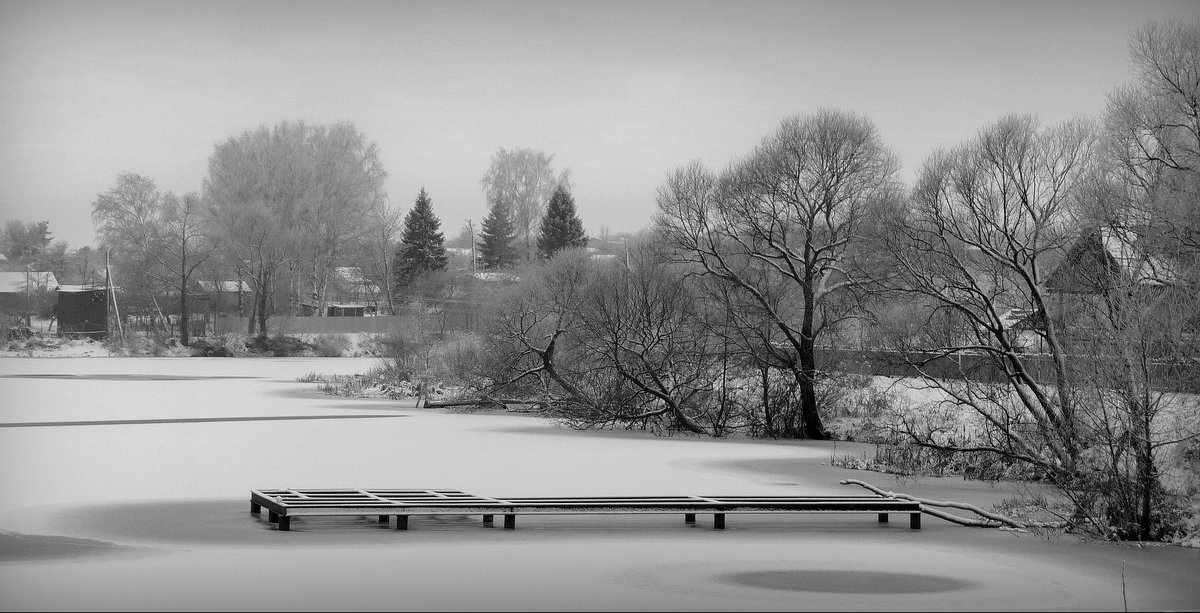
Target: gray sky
pixel 619 92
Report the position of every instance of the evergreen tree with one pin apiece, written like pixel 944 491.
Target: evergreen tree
pixel 561 227
pixel 496 249
pixel 422 246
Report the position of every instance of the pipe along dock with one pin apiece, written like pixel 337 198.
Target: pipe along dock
pixel 285 504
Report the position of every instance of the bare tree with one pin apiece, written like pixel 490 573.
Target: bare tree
pixel 1153 134
pixel 645 325
pixel 601 345
pixel 126 218
pixel 779 227
pixel 523 179
pixel 989 221
pixel 1138 315
pixel 378 248
pixel 531 331
pixel 183 245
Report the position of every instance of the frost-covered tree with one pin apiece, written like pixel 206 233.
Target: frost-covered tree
pixel 422 245
pixel 561 227
pixel 286 200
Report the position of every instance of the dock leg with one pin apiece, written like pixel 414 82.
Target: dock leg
pixel 402 522
pixel 914 521
pixel 883 518
pixel 285 523
pixel 487 519
pixel 510 522
pixel 383 519
pixel 273 516
pixel 689 518
pixel 255 508
pixel 718 521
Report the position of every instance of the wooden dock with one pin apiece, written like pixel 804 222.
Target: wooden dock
pixel 285 504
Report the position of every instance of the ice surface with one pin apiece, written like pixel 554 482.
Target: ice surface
pixel 156 515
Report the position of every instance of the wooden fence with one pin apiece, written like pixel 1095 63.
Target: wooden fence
pixel 1176 376
pixel 380 324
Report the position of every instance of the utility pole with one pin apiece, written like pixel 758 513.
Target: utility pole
pixel 471 230
pixel 109 288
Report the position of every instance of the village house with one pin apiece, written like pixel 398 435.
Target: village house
pixel 27 293
pixel 1105 267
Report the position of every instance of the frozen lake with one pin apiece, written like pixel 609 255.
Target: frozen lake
pixel 126 482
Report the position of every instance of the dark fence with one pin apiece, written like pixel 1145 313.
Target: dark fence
pixel 287 324
pixel 1170 376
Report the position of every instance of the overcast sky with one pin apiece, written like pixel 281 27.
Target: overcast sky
pixel 620 93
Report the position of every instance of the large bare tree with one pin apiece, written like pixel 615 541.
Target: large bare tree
pixel 989 221
pixel 184 244
pixel 779 227
pixel 126 219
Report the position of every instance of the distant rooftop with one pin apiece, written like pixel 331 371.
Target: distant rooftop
pixel 18 282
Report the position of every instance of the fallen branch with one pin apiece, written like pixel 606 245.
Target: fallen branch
pixel 993 520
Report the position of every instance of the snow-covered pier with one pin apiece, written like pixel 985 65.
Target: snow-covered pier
pixel 284 504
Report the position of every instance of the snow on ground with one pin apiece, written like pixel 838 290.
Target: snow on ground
pixel 126 485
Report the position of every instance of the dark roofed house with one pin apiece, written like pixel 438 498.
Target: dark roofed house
pixel 1102 261
pixel 227 297
pixel 351 294
pixel 1107 258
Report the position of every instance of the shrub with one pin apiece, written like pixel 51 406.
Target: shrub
pixel 203 348
pixel 281 346
pixel 331 345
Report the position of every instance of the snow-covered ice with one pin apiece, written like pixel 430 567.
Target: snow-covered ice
pixel 152 512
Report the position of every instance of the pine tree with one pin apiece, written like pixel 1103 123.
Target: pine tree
pixel 561 227
pixel 496 249
pixel 422 246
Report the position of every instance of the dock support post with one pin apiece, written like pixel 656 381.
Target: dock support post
pixel 718 521
pixel 689 518
pixel 402 522
pixel 487 519
pixel 510 522
pixel 383 519
pixel 255 508
pixel 883 518
pixel 914 521
pixel 273 516
pixel 285 523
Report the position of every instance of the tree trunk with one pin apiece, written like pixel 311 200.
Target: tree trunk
pixel 768 416
pixel 250 324
pixel 184 318
pixel 261 309
pixel 813 428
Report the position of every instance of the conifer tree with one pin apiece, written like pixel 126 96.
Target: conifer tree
pixel 422 246
pixel 496 248
pixel 561 227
